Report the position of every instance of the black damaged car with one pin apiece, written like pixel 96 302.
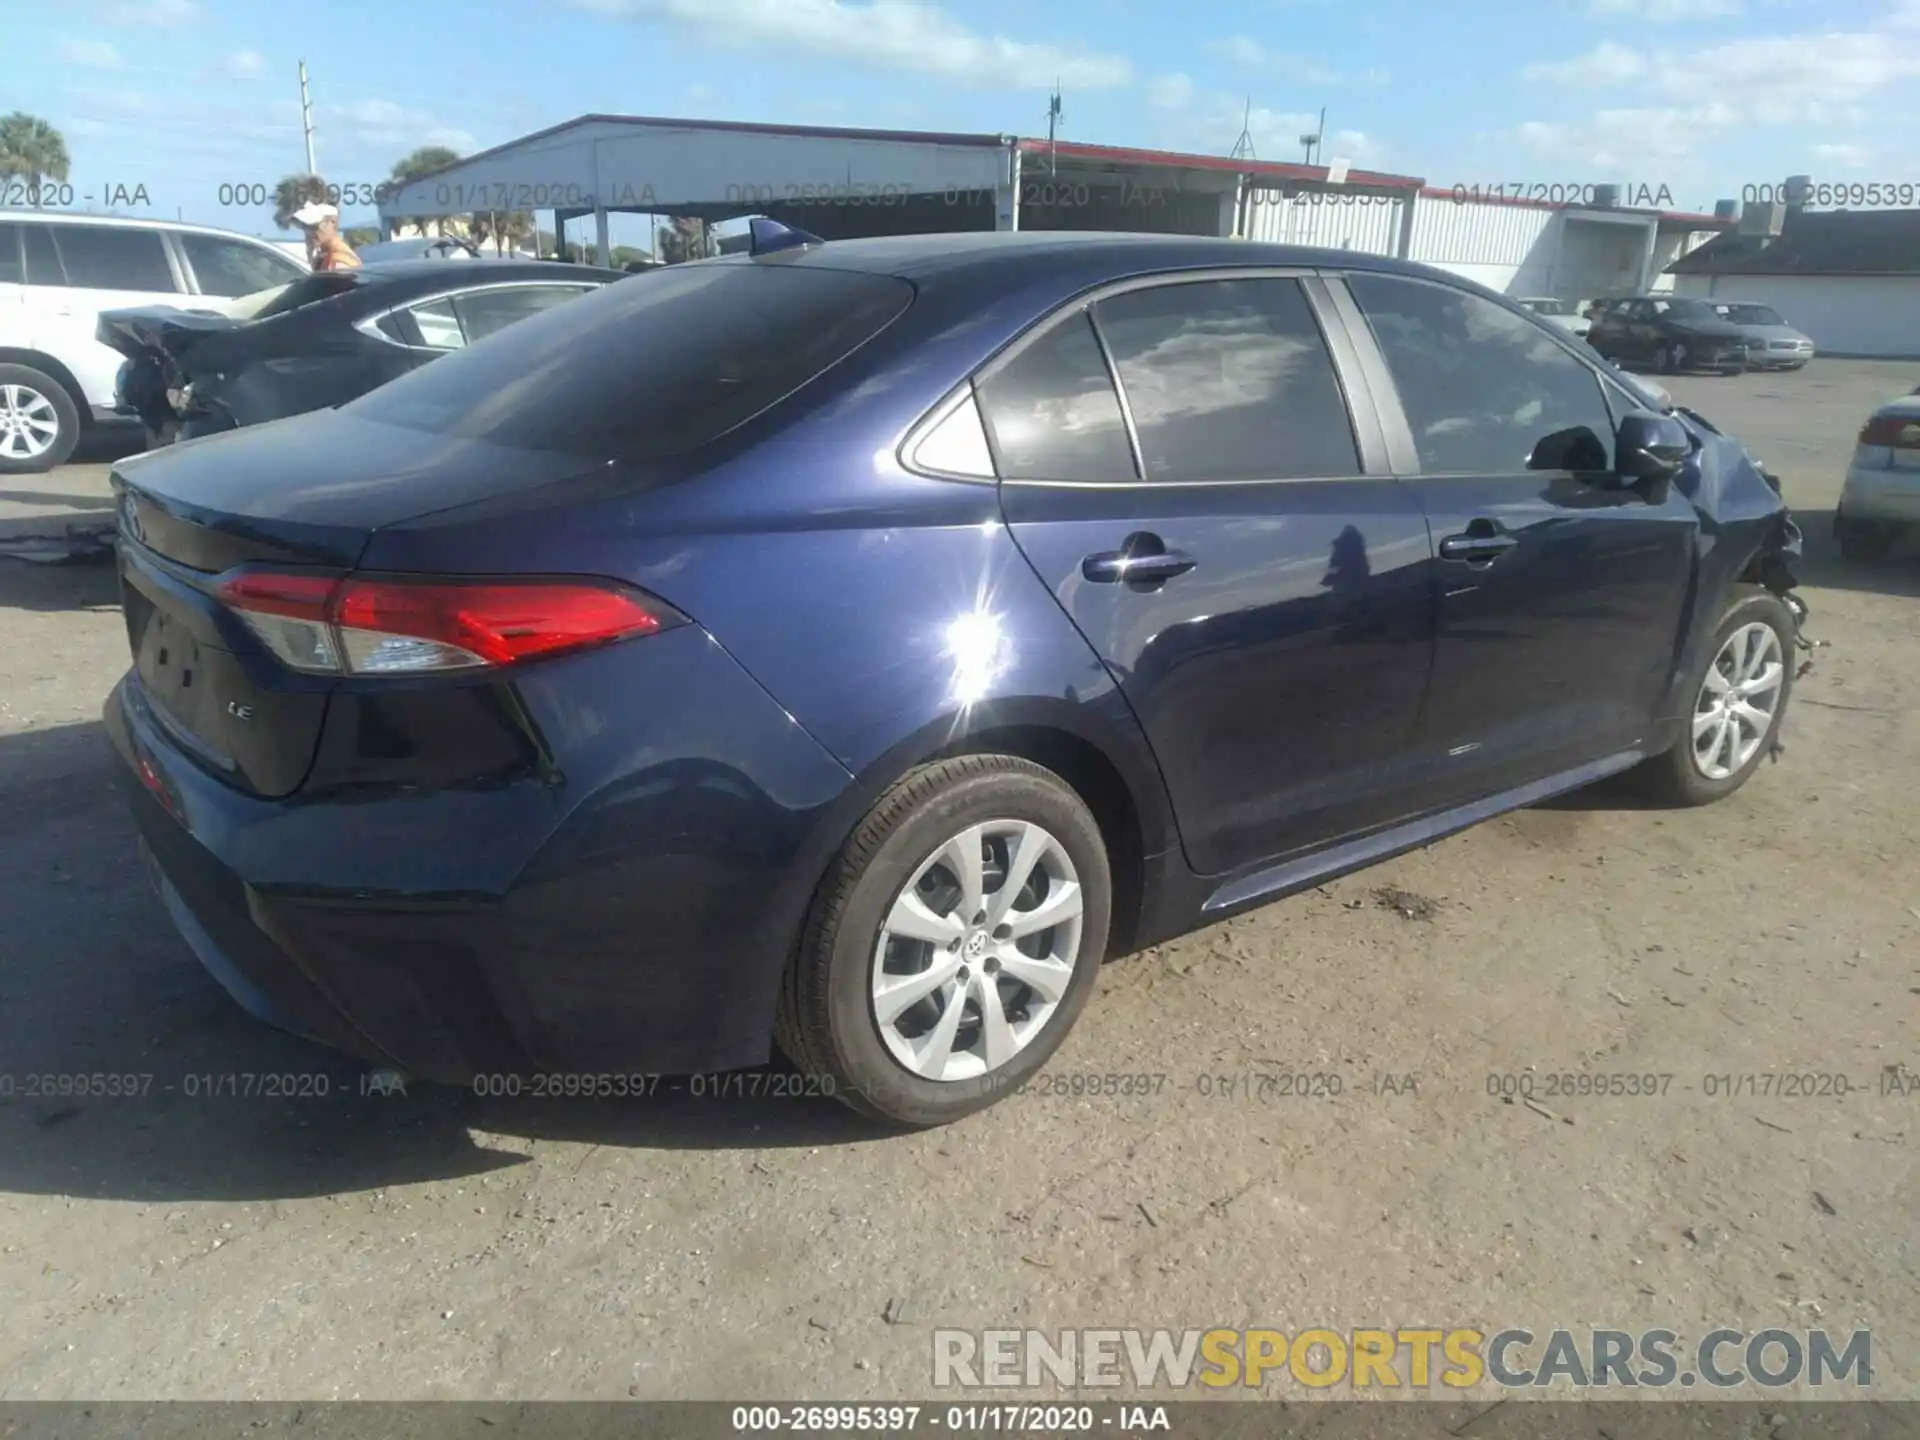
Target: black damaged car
pixel 1670 333
pixel 321 340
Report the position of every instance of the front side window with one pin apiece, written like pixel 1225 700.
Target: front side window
pixel 1052 414
pixel 1228 380
pixel 108 257
pixel 232 268
pixel 1485 391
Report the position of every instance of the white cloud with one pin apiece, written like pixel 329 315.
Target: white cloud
pixel 898 35
pixel 1245 50
pixel 1240 48
pixel 1665 12
pixel 382 125
pixel 1170 92
pixel 1605 65
pixel 1662 137
pixel 164 13
pixel 91 55
pixel 244 65
pixel 1847 157
pixel 1829 79
pixel 1209 124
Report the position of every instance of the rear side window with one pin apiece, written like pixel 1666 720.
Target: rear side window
pixel 106 257
pixel 12 271
pixel 482 312
pixel 1485 391
pixel 232 268
pixel 642 370
pixel 1228 380
pixel 42 260
pixel 1052 413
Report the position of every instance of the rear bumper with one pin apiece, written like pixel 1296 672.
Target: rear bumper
pixel 1881 497
pixel 635 918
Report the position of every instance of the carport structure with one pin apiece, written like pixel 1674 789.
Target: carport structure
pixel 843 183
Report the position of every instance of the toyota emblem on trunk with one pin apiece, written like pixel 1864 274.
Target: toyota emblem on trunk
pixel 130 518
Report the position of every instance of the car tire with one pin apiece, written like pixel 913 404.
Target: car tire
pixel 1864 544
pixel 31 400
pixel 1681 776
pixel 828 1022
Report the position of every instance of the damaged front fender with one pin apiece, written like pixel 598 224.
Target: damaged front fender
pixel 1747 536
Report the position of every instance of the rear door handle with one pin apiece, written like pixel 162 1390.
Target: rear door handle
pixel 1471 547
pixel 1143 560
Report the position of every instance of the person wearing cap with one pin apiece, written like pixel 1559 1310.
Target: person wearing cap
pixel 326 249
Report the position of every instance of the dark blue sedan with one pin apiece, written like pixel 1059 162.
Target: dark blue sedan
pixel 850 645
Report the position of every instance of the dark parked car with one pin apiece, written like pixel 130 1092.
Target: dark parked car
pixel 1669 332
pixel 320 341
pixel 855 643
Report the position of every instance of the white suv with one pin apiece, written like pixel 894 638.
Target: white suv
pixel 58 272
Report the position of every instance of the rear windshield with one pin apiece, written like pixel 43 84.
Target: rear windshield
pixel 1750 314
pixel 647 367
pixel 264 304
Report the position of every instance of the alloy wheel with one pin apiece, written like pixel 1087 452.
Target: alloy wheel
pixel 977 950
pixel 1738 700
pixel 29 424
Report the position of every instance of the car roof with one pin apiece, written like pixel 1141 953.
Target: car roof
pixel 456 276
pixel 1046 254
pixel 139 222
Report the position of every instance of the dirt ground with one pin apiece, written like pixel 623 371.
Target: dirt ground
pixel 438 1245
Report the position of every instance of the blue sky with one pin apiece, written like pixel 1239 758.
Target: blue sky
pixel 1701 96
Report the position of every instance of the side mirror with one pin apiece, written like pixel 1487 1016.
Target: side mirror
pixel 1651 447
pixel 1577 449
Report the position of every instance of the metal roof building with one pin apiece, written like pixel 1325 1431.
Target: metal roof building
pixel 1848 278
pixel 843 183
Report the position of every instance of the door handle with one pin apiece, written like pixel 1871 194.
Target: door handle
pixel 1476 548
pixel 1143 560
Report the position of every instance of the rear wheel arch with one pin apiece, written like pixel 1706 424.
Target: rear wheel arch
pixel 53 370
pixel 1092 774
pixel 1126 795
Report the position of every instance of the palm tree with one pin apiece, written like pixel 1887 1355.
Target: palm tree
pixel 684 237
pixel 293 192
pixel 423 161
pixel 507 229
pixel 31 150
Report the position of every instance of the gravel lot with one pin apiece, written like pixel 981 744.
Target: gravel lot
pixel 438 1245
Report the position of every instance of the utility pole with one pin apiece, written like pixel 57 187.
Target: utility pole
pixel 1053 120
pixel 1317 138
pixel 306 117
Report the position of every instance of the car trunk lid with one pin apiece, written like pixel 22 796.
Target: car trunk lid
pixel 304 495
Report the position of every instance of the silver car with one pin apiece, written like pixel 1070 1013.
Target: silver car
pixel 1881 499
pixel 1564 313
pixel 1772 344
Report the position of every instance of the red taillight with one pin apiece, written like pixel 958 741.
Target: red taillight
pixel 330 625
pixel 263 592
pixel 498 623
pixel 1901 432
